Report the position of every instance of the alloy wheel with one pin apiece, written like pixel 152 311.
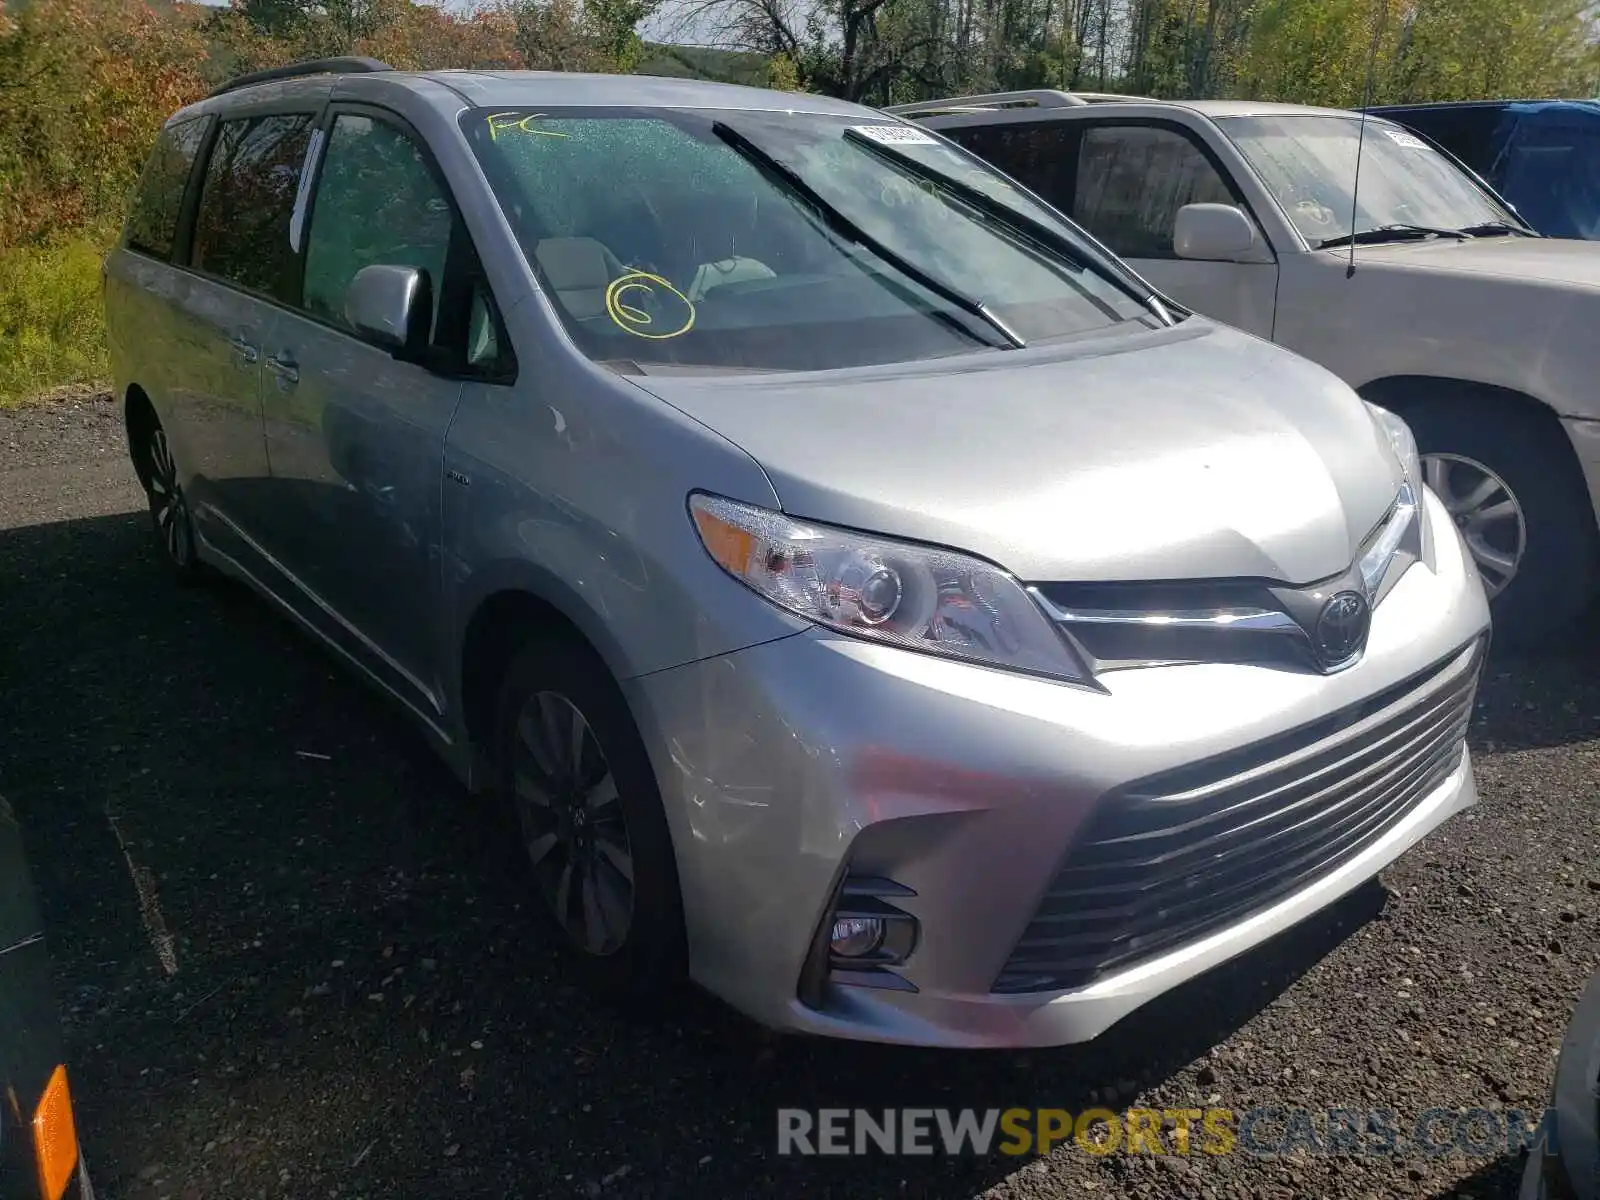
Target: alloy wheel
pixel 572 823
pixel 168 506
pixel 1486 512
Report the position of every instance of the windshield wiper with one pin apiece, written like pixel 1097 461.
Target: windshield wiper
pixel 1035 233
pixel 789 178
pixel 1396 232
pixel 1491 228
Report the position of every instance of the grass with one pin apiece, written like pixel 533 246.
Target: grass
pixel 51 327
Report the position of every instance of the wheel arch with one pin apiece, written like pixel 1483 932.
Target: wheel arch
pixel 512 605
pixel 1400 392
pixel 1397 392
pixel 139 419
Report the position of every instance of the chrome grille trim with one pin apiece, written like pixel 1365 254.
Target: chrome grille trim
pixel 1167 860
pixel 1120 624
pixel 1261 619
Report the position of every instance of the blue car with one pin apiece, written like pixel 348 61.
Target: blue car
pixel 1543 156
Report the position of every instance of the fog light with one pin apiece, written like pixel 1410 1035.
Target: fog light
pixel 856 937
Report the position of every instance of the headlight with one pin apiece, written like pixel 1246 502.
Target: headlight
pixel 1398 532
pixel 1398 542
pixel 914 597
pixel 1402 441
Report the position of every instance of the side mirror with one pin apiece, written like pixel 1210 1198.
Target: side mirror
pixel 1218 233
pixel 390 306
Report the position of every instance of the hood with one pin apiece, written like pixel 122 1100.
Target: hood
pixel 1188 453
pixel 1524 259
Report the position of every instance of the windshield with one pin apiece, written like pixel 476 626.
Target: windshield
pixel 1309 164
pixel 780 241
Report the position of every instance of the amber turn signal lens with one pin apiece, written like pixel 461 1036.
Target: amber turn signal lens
pixel 55 1137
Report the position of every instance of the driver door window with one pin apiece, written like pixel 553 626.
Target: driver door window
pixel 1130 183
pixel 1133 179
pixel 377 201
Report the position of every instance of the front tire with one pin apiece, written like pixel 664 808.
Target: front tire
pixel 1510 483
pixel 571 764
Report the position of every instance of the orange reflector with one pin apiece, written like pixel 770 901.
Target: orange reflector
pixel 732 547
pixel 55 1137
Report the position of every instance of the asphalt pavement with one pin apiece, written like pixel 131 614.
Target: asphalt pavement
pixel 296 960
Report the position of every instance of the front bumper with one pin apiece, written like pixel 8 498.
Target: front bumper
pixel 784 763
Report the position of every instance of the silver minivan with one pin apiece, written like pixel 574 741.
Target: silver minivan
pixel 874 600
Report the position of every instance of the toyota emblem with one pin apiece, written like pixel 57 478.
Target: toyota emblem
pixel 1342 628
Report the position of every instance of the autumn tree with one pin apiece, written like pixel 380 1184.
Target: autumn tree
pixel 84 85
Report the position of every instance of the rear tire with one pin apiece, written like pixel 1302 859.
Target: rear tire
pixel 574 771
pixel 1519 500
pixel 170 515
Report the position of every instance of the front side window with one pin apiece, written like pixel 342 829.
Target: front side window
pixel 777 241
pixel 242 228
pixel 1133 179
pixel 1308 163
pixel 377 201
pixel 153 220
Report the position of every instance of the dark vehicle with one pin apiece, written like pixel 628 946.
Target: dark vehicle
pixel 1567 1167
pixel 1543 156
pixel 39 1158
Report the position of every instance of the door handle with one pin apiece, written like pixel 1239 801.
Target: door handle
pixel 285 368
pixel 248 354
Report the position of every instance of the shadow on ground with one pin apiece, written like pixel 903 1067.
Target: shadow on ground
pixel 358 1002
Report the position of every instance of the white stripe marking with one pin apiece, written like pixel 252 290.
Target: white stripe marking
pixel 144 883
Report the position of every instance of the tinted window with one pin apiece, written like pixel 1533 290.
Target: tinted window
pixel 153 221
pixel 1039 155
pixel 1550 170
pixel 1468 133
pixel 666 237
pixel 377 201
pixel 242 229
pixel 1133 179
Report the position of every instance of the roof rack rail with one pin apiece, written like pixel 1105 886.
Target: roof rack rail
pixel 1114 98
pixel 315 66
pixel 1031 98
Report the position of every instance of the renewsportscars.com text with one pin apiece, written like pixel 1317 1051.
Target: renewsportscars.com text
pixel 1262 1132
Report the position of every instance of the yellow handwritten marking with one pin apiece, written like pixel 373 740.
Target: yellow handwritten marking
pixel 631 319
pixel 501 122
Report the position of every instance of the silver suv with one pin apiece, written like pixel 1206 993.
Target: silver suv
pixel 873 600
pixel 1419 287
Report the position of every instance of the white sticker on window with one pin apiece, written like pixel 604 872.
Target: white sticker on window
pixel 895 135
pixel 1409 140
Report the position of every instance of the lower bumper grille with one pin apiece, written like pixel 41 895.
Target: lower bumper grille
pixel 1169 859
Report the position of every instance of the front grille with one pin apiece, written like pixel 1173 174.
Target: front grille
pixel 1171 858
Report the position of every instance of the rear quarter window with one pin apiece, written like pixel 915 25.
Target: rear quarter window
pixel 241 230
pixel 153 220
pixel 1041 154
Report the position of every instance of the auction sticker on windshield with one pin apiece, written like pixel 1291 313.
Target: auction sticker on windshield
pixel 1409 140
pixel 895 135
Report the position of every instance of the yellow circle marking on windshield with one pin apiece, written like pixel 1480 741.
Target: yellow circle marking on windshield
pixel 632 319
pixel 503 122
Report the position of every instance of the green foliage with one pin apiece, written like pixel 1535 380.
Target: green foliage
pixel 781 74
pixel 50 317
pixel 704 62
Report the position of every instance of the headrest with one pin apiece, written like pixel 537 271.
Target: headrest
pixel 575 263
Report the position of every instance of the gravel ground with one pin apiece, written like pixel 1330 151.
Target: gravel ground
pixel 344 994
